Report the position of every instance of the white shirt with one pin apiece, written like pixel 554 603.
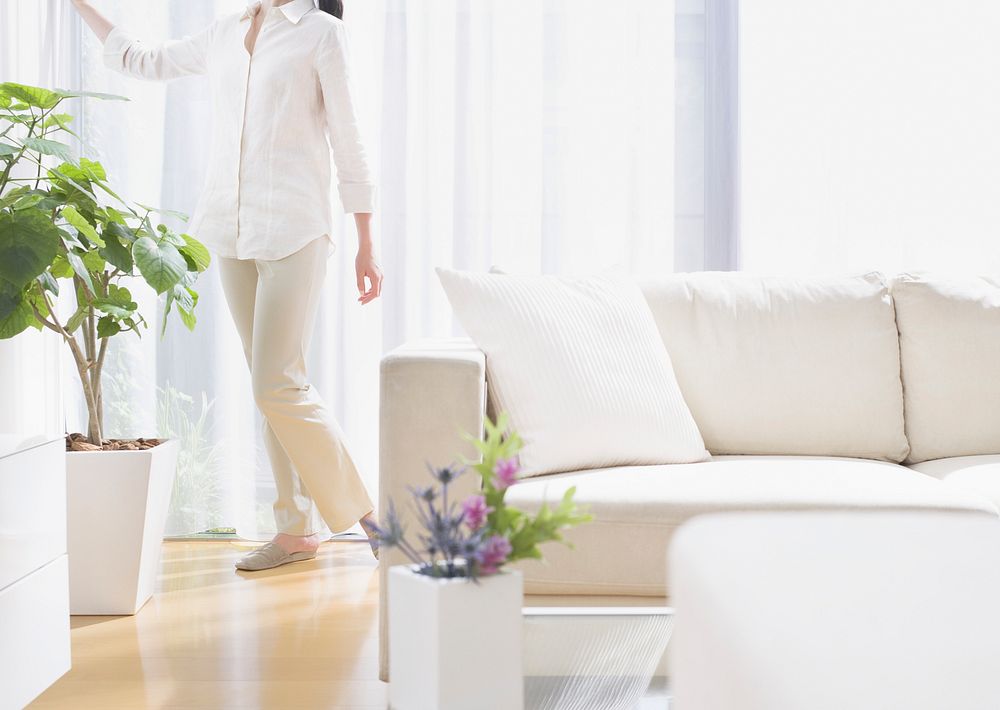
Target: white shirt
pixel 267 191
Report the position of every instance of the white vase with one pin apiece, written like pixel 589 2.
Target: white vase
pixel 117 505
pixel 455 644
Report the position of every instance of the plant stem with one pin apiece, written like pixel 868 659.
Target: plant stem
pixel 99 383
pixel 38 170
pixel 83 365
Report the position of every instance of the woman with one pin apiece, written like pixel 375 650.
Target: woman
pixel 280 85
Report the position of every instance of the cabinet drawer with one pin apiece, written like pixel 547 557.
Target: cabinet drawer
pixel 32 509
pixel 34 634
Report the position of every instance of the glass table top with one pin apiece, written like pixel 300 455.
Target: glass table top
pixel 596 658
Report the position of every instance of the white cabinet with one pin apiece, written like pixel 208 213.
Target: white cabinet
pixel 34 588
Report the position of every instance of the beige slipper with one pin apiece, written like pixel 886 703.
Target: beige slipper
pixel 269 556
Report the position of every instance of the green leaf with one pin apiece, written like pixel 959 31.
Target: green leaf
pixel 107 327
pixel 14 195
pixel 57 119
pixel 188 318
pixel 19 316
pixel 65 179
pixel 159 210
pixel 16 313
pixel 10 298
pixel 60 268
pixel 118 303
pixel 80 269
pixel 38 303
pixel 28 244
pixel 196 254
pixel 71 215
pixel 28 201
pixel 120 295
pixel 116 237
pixel 77 318
pixel 49 283
pixel 44 145
pixel 117 217
pixel 61 121
pixel 169 235
pixel 32 95
pixel 90 95
pixel 159 263
pixel 92 169
pixel 94 262
pixel 7 149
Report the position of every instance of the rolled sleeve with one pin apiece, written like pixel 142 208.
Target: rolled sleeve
pixel 358 197
pixel 356 183
pixel 116 46
pixel 125 53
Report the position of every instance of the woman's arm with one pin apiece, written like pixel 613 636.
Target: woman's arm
pixel 356 183
pixel 101 25
pixel 128 55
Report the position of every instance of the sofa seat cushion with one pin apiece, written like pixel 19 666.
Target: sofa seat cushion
pixel 637 509
pixel 980 474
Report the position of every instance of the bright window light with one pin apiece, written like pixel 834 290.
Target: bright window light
pixel 870 135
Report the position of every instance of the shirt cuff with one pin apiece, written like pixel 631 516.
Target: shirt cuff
pixel 116 45
pixel 358 196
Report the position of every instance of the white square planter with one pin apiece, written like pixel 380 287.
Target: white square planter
pixel 455 644
pixel 117 503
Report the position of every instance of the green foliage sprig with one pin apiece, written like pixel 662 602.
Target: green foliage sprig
pixel 498 449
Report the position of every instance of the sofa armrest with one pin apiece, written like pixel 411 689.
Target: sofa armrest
pixel 432 392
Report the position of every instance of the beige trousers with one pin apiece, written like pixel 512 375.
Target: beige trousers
pixel 273 304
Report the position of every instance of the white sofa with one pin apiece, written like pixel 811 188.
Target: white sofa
pixel 855 393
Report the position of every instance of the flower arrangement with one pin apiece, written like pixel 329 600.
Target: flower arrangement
pixel 480 534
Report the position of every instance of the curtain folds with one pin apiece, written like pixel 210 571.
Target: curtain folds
pixel 536 136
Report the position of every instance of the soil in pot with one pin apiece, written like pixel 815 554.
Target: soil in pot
pixel 78 442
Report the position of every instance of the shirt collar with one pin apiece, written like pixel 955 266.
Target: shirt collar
pixel 293 10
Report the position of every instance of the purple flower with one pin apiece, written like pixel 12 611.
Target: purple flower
pixel 475 510
pixel 505 471
pixel 493 553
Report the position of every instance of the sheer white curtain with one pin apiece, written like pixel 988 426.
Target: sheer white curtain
pixel 538 136
pixel 38 45
pixel 870 135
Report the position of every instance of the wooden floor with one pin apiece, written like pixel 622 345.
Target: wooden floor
pixel 301 636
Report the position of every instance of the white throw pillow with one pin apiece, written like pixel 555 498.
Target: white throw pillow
pixel 949 343
pixel 580 368
pixel 785 365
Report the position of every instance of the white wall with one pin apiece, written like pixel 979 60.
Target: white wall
pixel 31 384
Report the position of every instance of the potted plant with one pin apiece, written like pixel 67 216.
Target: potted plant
pixel 455 612
pixel 62 228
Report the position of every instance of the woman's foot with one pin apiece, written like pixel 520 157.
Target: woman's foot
pixel 284 548
pixel 298 543
pixel 368 524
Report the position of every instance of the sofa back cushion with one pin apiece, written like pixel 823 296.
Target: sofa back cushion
pixel 781 365
pixel 579 367
pixel 949 340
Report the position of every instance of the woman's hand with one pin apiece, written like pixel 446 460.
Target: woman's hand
pixel 367 267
